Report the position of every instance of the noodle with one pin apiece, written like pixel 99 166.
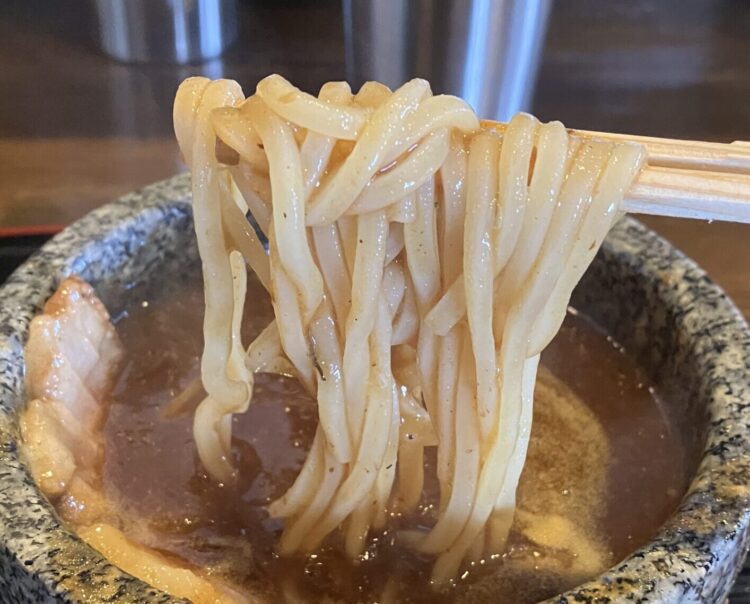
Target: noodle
pixel 417 264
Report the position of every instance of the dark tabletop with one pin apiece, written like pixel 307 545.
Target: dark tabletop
pixel 77 129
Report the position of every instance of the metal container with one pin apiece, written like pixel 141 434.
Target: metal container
pixel 485 51
pixel 169 31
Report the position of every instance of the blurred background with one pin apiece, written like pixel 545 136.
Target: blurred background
pixel 87 86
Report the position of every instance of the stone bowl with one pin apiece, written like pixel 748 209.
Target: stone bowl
pixel 692 342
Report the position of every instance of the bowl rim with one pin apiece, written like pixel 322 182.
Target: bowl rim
pixel 682 563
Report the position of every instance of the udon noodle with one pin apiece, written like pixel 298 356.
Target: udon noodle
pixel 418 262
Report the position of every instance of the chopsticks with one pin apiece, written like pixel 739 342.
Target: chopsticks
pixel 690 193
pixel 695 155
pixel 686 179
pixel 683 179
pixel 690 179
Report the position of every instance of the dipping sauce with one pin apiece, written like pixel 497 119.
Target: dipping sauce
pixel 604 470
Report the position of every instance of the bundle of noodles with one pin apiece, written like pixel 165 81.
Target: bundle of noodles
pixel 418 264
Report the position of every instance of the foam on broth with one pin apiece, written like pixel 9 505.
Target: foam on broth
pixel 604 470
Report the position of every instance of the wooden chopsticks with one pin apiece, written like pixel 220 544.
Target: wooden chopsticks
pixel 695 155
pixel 690 179
pixel 685 179
pixel 690 193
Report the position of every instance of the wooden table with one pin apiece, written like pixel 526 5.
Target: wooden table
pixel 77 129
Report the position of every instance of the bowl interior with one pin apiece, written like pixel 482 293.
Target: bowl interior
pixel 690 340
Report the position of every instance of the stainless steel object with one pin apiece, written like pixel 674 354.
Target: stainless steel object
pixel 486 51
pixel 171 31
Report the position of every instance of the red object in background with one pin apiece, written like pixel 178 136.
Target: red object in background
pixel 39 230
pixel 18 243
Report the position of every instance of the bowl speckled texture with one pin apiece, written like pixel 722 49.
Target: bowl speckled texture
pixel 688 336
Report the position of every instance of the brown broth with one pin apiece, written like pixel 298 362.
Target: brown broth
pixel 604 470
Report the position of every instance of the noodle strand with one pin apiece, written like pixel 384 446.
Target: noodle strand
pixel 417 264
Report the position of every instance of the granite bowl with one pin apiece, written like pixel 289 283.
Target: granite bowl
pixel 687 335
